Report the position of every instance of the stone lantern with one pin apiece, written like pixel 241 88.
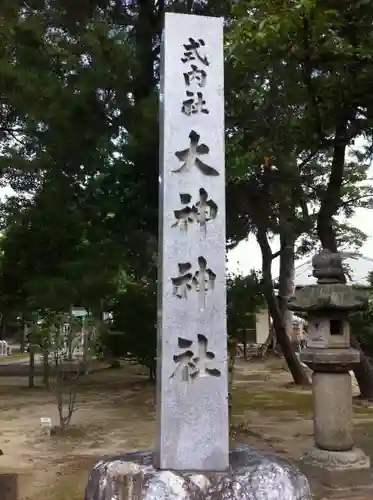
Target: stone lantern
pixel 333 460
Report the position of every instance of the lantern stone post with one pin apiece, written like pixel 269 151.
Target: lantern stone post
pixel 334 460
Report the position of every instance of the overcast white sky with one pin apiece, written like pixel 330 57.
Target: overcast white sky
pixel 247 256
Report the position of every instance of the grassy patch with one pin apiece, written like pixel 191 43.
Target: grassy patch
pixel 364 437
pixel 240 377
pixel 363 412
pixel 76 432
pixel 262 401
pixel 18 355
pixel 93 437
pixel 269 401
pixel 275 364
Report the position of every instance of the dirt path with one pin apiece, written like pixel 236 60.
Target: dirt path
pixel 116 414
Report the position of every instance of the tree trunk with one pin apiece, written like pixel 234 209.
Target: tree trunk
pixel 2 327
pixel 363 372
pixel 296 369
pixel 70 338
pixel 46 368
pixel 31 373
pixel 22 335
pixel 147 28
pixel 332 197
pixel 244 340
pixel 86 334
pixel 286 280
pixel 152 372
pixel 271 339
pixel 232 354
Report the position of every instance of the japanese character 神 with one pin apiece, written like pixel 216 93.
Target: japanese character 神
pixel 193 105
pixel 194 364
pixel 192 51
pixel 186 215
pixel 206 209
pixel 201 212
pixel 202 280
pixel 190 156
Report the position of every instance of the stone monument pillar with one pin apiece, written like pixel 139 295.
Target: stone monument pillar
pixel 192 406
pixel 192 459
pixel 334 460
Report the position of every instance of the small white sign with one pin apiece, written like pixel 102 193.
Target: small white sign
pixel 46 425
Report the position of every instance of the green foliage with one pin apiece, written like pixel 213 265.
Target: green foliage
pixel 69 143
pixel 362 327
pixel 133 333
pixel 297 73
pixel 244 299
pixel 46 332
pixel 79 147
pixel 361 324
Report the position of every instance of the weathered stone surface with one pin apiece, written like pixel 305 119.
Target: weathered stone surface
pixel 338 470
pixel 327 267
pixel 328 297
pixel 353 459
pixel 192 386
pixel 333 461
pixel 251 476
pixel 322 330
pixel 333 428
pixel 330 360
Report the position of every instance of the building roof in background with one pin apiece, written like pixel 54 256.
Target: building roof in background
pixel 357 266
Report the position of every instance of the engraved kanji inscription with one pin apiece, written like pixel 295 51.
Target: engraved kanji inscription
pixel 193 51
pixel 206 209
pixel 190 157
pixel 195 74
pixel 202 280
pixel 186 215
pixel 182 284
pixel 194 363
pixel 194 103
pixel 201 212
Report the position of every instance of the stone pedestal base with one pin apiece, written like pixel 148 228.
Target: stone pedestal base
pixel 8 487
pixel 251 476
pixel 332 409
pixel 338 470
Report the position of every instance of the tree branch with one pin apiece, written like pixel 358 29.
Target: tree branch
pixel 355 200
pixel 331 199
